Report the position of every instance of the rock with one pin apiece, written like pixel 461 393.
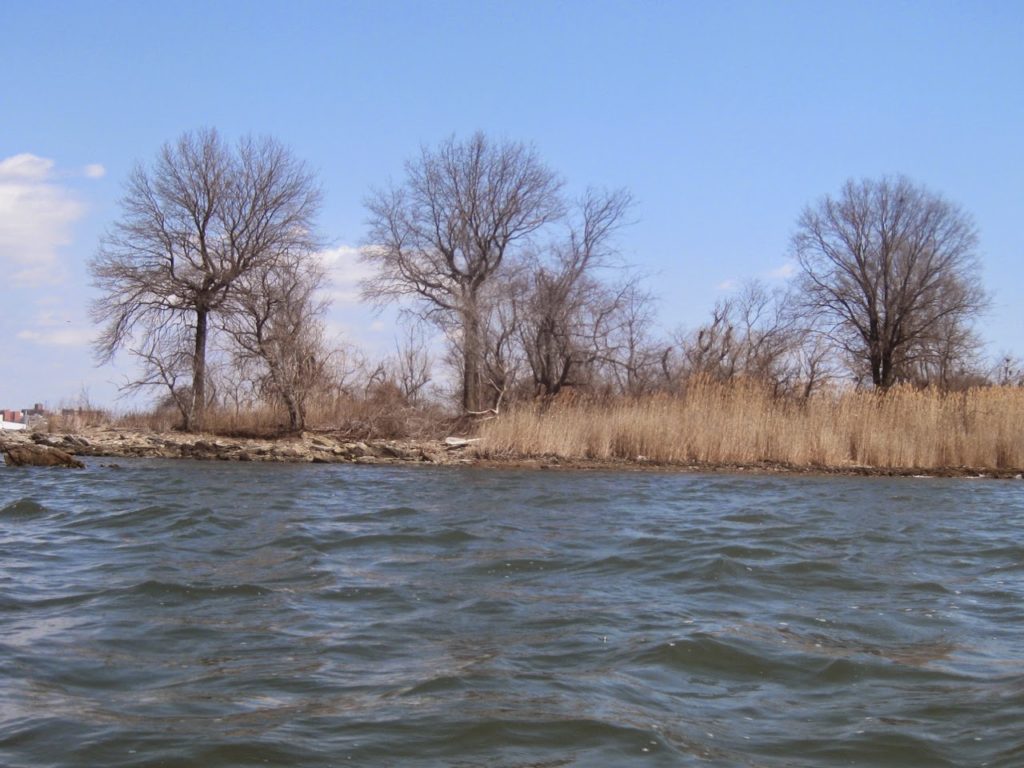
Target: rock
pixel 48 440
pixel 288 454
pixel 400 452
pixel 355 450
pixel 433 456
pixel 39 456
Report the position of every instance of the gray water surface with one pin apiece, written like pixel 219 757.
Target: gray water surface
pixel 199 614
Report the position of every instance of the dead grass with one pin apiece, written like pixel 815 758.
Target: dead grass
pixel 741 423
pixel 72 420
pixel 360 418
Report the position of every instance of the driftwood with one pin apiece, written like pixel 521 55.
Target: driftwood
pixel 453 443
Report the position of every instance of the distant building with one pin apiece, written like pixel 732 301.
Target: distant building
pixel 14 420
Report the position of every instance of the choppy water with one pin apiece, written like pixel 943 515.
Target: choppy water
pixel 182 614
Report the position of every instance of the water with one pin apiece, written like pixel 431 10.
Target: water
pixel 187 614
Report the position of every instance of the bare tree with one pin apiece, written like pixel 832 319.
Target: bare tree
pixel 750 334
pixel 815 363
pixel 630 353
pixel 886 267
pixel 754 333
pixel 567 314
pixel 949 357
pixel 712 350
pixel 770 334
pixel 274 317
pixel 202 217
pixel 464 209
pixel 1007 371
pixel 412 364
pixel 502 355
pixel 163 352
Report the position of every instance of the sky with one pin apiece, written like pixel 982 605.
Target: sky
pixel 723 120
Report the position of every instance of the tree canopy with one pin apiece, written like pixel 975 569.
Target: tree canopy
pixel 889 271
pixel 196 222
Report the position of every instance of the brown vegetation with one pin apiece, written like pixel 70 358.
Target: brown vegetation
pixel 384 414
pixel 211 233
pixel 211 279
pixel 742 422
pixel 708 423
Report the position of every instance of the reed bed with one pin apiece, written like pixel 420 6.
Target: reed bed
pixel 743 423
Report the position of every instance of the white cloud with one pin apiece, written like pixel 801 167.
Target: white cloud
pixel 36 216
pixel 783 272
pixel 58 337
pixel 25 167
pixel 727 285
pixel 344 273
pixel 95 171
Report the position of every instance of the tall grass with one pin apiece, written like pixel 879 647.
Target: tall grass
pixel 742 423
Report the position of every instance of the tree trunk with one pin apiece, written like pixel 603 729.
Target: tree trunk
pixel 887 372
pixel 471 384
pixel 296 418
pixel 198 415
pixel 876 370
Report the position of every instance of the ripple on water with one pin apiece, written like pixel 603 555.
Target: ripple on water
pixel 193 591
pixel 189 614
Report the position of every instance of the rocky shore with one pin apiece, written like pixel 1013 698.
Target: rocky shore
pixel 302 448
pixel 61 449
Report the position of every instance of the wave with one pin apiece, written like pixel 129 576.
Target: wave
pixel 23 509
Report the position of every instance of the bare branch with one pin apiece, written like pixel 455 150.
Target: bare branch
pixel 891 271
pixel 464 210
pixel 200 219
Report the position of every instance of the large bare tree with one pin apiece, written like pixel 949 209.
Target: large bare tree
pixel 464 209
pixel 203 216
pixel 890 271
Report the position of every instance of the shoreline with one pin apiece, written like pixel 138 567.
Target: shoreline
pixel 331 448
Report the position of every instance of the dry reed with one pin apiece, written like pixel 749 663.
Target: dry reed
pixel 743 423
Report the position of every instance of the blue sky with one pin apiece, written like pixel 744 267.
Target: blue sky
pixel 724 119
